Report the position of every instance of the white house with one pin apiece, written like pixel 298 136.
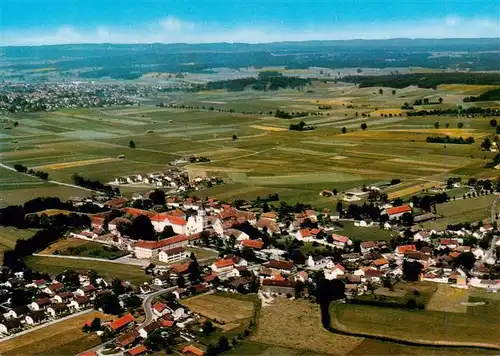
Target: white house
pixel 151 249
pixel 341 241
pixel 333 273
pixel 397 211
pixel 173 255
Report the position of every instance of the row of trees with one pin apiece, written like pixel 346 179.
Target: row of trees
pixel 23 169
pixel 452 140
pixel 301 126
pixel 95 185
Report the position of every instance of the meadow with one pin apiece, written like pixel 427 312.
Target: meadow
pixel 266 157
pixel 63 338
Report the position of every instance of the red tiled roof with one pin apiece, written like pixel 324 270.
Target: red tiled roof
pixel 340 238
pixel 56 286
pixel 210 277
pixel 39 282
pixel 380 262
pixel 180 267
pixel 224 263
pixel 256 244
pixel 305 232
pixel 399 210
pixel 154 245
pixel 159 307
pixel 340 267
pixel 137 212
pixel 406 248
pixel 174 220
pixel 278 283
pixel 139 349
pixel 116 201
pixel 368 244
pixel 192 350
pixel 448 242
pixel 96 220
pixel 177 212
pixel 166 323
pixel 279 265
pixel 88 353
pixel 121 322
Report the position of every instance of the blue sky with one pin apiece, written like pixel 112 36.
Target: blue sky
pixel 127 21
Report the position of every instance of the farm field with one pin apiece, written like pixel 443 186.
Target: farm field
pixel 221 308
pixel 64 338
pixel 265 157
pixel 9 235
pixel 297 325
pixel 109 270
pixel 78 247
pixel 473 209
pixel 433 325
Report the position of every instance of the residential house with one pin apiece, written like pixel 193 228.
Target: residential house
pixel 160 309
pixel 381 263
pixel 79 303
pixel 40 303
pixel 398 211
pixel 341 241
pixel 57 309
pixel 282 267
pixel 63 297
pixel 280 287
pixel 252 244
pixel 148 329
pixel 367 246
pixel 35 317
pixel 18 312
pixel 53 288
pixel 121 323
pixel 127 339
pixel 137 351
pixel 191 350
pixel 270 225
pixel 333 273
pixel 400 251
pixel 223 266
pixel 8 327
pixel 161 279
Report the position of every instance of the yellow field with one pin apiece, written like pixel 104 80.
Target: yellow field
pixel 449 132
pixel 87 162
pixel 51 212
pixel 267 128
pixel 221 309
pixel 466 87
pixel 449 299
pixel 297 324
pixel 64 244
pixel 411 190
pixel 64 338
pixel 388 111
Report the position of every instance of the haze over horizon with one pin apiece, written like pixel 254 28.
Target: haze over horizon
pixel 205 21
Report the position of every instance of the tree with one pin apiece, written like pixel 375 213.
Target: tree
pixel 407 219
pixel 168 231
pixel 133 302
pixel 235 137
pixel 412 270
pixel 96 324
pixel 393 92
pixel 486 145
pixel 340 207
pixel 109 304
pixel 157 197
pixel 208 327
pixel 381 91
pixel 131 144
pixel 440 100
pixel 344 130
pixel 16 124
pixel 436 125
pixel 466 259
pixel 194 270
pixel 364 126
pixel 117 287
pixel 142 228
pixel 460 125
pixel 181 282
pixel 223 344
pixel 493 123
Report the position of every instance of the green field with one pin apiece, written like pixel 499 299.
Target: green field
pixel 9 235
pixel 296 165
pixel 108 270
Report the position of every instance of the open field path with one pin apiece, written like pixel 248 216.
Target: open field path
pixel 337 327
pixel 45 325
pixel 128 261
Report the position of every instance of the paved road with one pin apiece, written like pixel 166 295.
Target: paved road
pixel 50 181
pixel 45 325
pixel 147 304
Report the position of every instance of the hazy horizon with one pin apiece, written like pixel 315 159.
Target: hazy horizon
pixel 132 22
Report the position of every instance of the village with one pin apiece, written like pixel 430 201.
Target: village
pixel 282 251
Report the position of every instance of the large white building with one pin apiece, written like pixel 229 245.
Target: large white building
pixel 151 249
pixel 173 255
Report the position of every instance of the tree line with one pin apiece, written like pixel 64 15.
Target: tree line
pixel 454 112
pixel 301 126
pixel 453 140
pixel 23 169
pixel 95 185
pixel 493 94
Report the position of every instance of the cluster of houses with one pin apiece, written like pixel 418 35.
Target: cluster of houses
pixel 175 179
pixel 54 300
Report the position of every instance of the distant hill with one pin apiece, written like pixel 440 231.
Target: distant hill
pixel 129 61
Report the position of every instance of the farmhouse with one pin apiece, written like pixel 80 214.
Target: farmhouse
pixel 397 211
pixel 280 267
pixel 121 323
pixel 275 286
pixel 252 244
pixel 10 326
pixel 151 249
pixel 341 241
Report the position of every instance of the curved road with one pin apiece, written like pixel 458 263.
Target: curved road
pixel 147 305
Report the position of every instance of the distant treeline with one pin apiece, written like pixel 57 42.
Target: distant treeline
pixel 95 185
pixel 424 80
pixel 301 126
pixel 454 140
pixel 447 112
pixel 286 115
pixel 493 94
